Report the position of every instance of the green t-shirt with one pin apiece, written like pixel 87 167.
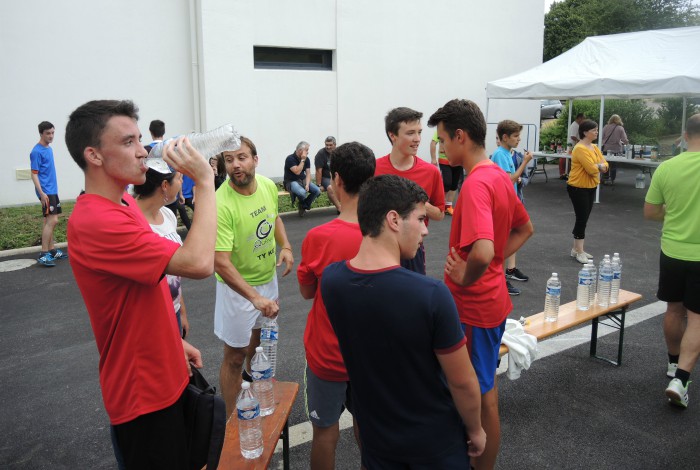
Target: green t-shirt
pixel 246 228
pixel 442 158
pixel 675 184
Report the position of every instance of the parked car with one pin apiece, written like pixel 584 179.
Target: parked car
pixel 550 109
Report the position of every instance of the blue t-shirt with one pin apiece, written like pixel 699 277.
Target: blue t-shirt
pixel 187 185
pixel 504 159
pixel 41 160
pixel 390 325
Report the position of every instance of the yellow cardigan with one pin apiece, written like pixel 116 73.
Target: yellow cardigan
pixel 584 170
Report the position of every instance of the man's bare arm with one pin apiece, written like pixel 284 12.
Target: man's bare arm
pixel 654 211
pixel 518 236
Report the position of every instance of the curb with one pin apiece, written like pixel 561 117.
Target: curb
pixel 27 250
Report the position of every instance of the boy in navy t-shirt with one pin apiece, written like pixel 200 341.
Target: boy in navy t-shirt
pixel 414 393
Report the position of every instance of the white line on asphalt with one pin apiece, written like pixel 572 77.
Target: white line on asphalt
pixel 301 433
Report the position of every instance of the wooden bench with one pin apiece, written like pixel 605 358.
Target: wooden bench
pixel 570 317
pixel 274 427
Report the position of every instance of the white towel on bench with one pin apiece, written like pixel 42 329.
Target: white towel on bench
pixel 522 348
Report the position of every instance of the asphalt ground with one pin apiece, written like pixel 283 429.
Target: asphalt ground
pixel 568 411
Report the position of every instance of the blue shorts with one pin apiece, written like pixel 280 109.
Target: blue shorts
pixel 483 345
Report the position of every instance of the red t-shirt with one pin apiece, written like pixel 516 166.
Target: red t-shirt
pixel 328 243
pixel 119 264
pixel 487 208
pixel 426 175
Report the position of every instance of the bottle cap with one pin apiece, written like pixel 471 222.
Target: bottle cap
pixel 258 349
pixel 245 385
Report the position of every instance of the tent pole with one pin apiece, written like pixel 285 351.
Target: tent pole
pixel 567 165
pixel 600 132
pixel 685 104
pixel 487 109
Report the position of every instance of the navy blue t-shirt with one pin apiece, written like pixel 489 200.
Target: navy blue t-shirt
pixel 390 325
pixel 289 162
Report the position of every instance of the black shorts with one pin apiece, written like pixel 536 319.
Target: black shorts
pixel 679 281
pixel 451 177
pixel 54 206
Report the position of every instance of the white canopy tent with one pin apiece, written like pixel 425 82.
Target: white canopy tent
pixel 629 65
pixel 661 63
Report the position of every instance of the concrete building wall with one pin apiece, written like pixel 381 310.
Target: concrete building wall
pixel 190 63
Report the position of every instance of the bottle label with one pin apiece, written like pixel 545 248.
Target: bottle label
pixel 262 374
pixel 553 290
pixel 245 415
pixel 606 277
pixel 617 275
pixel 582 281
pixel 268 334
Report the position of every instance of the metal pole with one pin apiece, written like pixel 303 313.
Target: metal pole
pixel 600 132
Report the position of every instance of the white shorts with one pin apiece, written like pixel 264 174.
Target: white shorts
pixel 235 317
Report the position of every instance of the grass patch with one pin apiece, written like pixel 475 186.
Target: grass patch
pixel 21 226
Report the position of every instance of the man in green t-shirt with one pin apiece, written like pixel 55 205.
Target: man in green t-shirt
pixel 248 230
pixel 674 199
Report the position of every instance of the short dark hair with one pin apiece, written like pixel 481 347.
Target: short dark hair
pixel 580 116
pixel 355 164
pixel 157 128
pixel 250 144
pixel 45 126
pixel 508 128
pixel 220 163
pixel 153 181
pixel 396 116
pixel 330 138
pixel 461 114
pixel 586 126
pixel 87 123
pixel 692 127
pixel 382 194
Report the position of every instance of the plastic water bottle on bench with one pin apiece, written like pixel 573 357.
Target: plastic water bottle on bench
pixel 583 290
pixel 616 264
pixel 551 299
pixel 605 276
pixel 262 382
pixel 269 334
pixel 249 424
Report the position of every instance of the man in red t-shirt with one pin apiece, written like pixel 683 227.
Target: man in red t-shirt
pixel 326 377
pixel 120 264
pixel 489 225
pixel 403 128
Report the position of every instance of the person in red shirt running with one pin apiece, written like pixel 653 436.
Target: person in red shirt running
pixel 489 225
pixel 327 385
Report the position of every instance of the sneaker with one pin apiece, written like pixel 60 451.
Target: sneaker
pixel 302 211
pixel 573 254
pixel 677 394
pixel 516 275
pixel 47 260
pixel 671 370
pixel 245 375
pixel 512 290
pixel 582 258
pixel 59 255
pixel 449 210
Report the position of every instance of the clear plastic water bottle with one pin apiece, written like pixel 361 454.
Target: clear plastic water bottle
pixel 269 334
pixel 551 299
pixel 208 144
pixel 249 423
pixel 605 275
pixel 616 264
pixel 600 266
pixel 594 274
pixel 262 382
pixel 583 290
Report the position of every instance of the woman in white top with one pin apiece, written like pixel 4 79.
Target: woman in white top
pixel 152 196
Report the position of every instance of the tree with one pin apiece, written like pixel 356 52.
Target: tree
pixel 571 21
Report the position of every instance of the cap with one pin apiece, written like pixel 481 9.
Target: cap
pixel 159 165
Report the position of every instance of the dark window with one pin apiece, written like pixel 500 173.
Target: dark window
pixel 287 58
